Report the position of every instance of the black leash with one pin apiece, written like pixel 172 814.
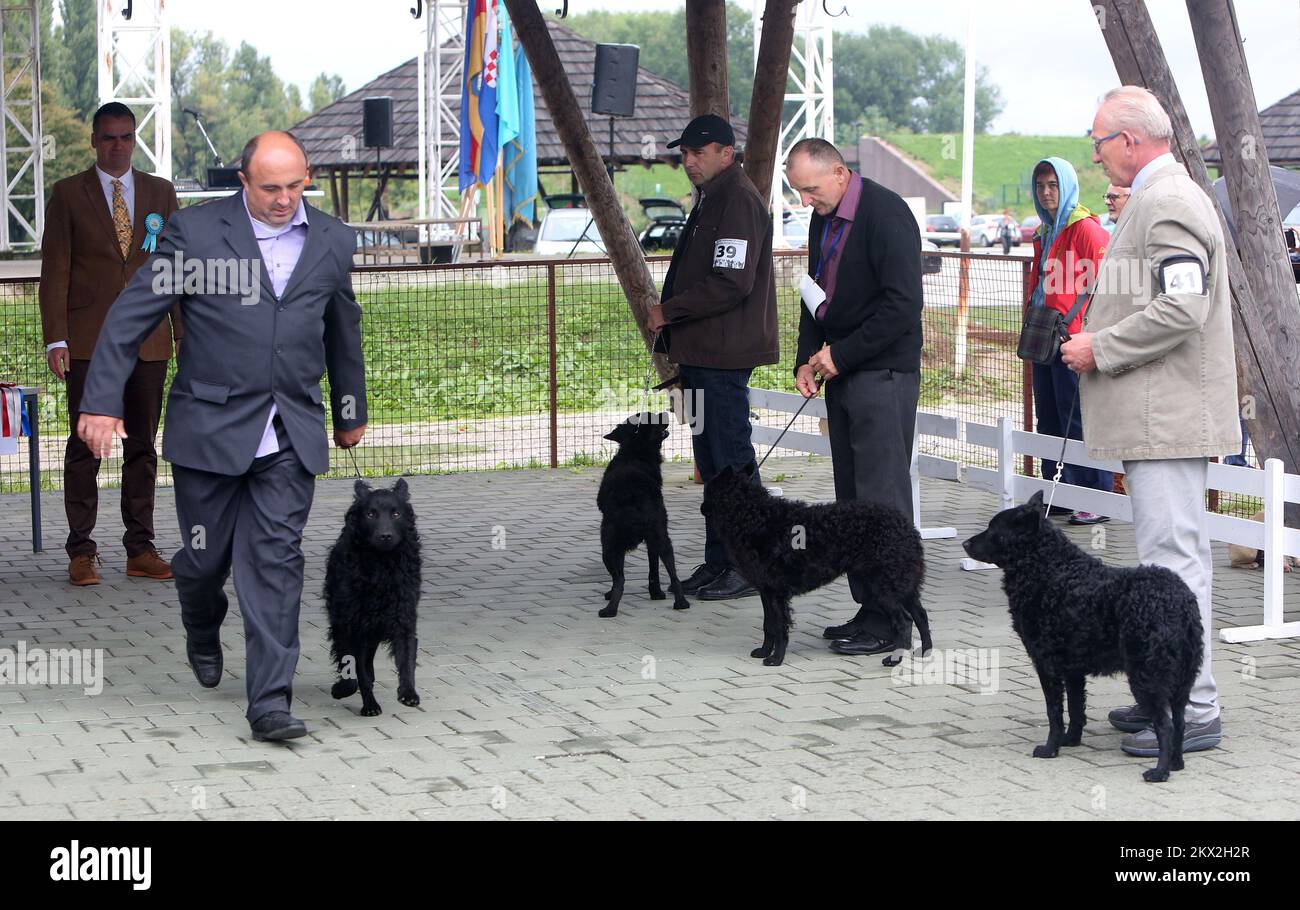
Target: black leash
pixel 820 380
pixel 351 450
pixel 1060 462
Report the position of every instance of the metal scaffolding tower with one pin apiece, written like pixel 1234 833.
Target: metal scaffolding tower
pixel 135 69
pixel 22 151
pixel 810 89
pixel 440 68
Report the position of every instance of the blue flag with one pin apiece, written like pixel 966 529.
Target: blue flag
pixel 507 89
pixel 521 153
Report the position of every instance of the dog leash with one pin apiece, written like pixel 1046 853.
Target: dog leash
pixel 351 451
pixel 820 380
pixel 1060 462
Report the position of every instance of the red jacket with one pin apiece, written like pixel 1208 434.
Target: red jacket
pixel 1071 266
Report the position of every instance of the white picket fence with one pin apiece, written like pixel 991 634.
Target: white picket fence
pixel 1272 485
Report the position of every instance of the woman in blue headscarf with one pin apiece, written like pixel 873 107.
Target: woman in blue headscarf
pixel 1068 247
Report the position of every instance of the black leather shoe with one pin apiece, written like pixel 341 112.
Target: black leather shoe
pixel 726 586
pixel 703 575
pixel 205 662
pixel 848 630
pixel 1130 719
pixel 865 643
pixel 276 725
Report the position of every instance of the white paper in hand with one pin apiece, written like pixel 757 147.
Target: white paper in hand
pixel 812 294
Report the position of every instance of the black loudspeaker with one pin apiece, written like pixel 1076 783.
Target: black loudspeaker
pixel 223 178
pixel 377 120
pixel 614 91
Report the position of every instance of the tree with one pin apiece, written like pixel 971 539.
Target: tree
pixel 911 81
pixel 662 39
pixel 237 94
pixel 71 60
pixel 325 90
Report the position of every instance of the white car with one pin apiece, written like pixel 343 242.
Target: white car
pixel 985 230
pixel 570 231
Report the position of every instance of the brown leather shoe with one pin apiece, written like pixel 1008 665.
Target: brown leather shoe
pixel 148 565
pixel 81 571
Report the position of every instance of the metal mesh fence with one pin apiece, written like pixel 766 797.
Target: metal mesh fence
pixel 529 363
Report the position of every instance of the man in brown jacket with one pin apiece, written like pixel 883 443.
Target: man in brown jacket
pixel 95 239
pixel 717 321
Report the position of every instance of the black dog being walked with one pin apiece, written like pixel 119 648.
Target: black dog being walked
pixel 784 547
pixel 631 503
pixel 372 589
pixel 1079 617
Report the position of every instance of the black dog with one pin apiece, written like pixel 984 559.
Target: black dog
pixel 631 503
pixel 1079 617
pixel 372 588
pixel 784 547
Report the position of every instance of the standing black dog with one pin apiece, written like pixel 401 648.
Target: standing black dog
pixel 631 503
pixel 784 547
pixel 372 589
pixel 1079 617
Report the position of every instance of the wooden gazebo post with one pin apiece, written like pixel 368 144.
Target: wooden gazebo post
pixel 1267 331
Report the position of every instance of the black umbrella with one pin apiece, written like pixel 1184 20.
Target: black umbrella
pixel 1285 183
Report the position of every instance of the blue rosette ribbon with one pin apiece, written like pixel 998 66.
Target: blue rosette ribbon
pixel 153 225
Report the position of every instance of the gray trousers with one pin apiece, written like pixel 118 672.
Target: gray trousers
pixel 1168 498
pixel 872 417
pixel 253 521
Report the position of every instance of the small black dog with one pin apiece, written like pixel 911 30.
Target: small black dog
pixel 372 589
pixel 1079 617
pixel 784 547
pixel 631 503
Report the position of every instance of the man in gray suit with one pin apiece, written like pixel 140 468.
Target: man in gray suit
pixel 1158 379
pixel 263 283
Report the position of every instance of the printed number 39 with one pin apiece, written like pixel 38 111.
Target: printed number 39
pixel 725 251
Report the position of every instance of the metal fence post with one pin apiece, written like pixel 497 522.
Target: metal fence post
pixel 552 342
pixel 1027 371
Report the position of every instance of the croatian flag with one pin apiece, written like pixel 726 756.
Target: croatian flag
pixel 478 98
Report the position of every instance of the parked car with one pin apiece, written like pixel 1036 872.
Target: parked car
pixel 1291 233
pixel 568 229
pixel 985 230
pixel 1028 227
pixel 930 265
pixel 667 219
pixel 795 229
pixel 942 229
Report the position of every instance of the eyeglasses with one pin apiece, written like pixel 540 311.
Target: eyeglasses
pixel 1112 198
pixel 1096 143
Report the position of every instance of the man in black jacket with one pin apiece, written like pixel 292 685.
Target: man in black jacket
pixel 860 330
pixel 718 321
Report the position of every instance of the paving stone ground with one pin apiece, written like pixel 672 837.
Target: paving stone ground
pixel 535 708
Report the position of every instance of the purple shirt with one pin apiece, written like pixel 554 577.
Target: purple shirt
pixel 280 248
pixel 836 232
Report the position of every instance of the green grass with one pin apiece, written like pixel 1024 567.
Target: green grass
pixel 1004 162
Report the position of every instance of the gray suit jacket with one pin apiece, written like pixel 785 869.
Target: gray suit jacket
pixel 239 357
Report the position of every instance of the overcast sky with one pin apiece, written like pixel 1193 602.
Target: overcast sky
pixel 1047 56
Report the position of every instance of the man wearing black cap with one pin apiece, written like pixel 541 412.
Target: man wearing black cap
pixel 717 321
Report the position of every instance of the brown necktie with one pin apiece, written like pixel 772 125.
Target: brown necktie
pixel 121 219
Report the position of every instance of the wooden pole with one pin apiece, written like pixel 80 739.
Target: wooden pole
pixel 624 251
pixel 706 57
pixel 767 101
pixel 1263 370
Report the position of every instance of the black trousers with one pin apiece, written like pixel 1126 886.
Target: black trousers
pixel 142 402
pixel 721 436
pixel 253 521
pixel 872 416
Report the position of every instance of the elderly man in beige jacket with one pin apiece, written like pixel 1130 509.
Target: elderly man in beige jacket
pixel 1158 378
